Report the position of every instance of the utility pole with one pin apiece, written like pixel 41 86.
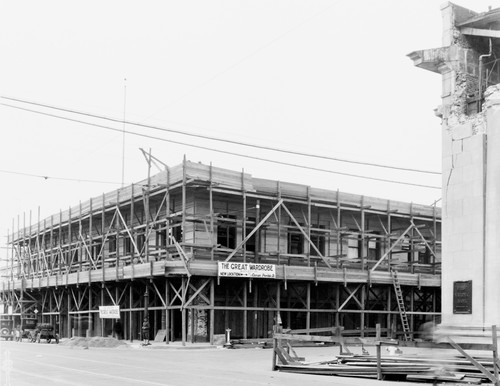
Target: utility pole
pixel 145 323
pixel 123 129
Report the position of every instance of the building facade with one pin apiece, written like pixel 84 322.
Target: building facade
pixel 155 249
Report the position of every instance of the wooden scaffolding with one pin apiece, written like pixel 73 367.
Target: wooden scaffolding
pixel 335 256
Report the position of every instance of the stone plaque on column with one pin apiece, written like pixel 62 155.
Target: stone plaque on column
pixel 462 297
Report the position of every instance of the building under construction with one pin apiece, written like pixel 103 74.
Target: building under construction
pixel 199 250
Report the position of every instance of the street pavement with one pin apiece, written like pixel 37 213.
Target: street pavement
pixel 28 364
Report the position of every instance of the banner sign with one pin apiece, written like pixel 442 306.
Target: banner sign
pixel 267 271
pixel 109 312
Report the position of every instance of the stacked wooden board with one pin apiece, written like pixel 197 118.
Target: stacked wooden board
pixel 446 362
pixel 421 368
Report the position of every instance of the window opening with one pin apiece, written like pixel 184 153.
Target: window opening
pixel 250 244
pixel 226 231
pixel 319 240
pixel 295 240
pixel 373 249
pixel 112 244
pixel 176 232
pixel 353 246
pixel 127 245
pixel 141 239
pixel 96 249
pixel 161 238
pixel 424 255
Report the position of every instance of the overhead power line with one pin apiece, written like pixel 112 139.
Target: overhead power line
pixel 182 132
pixel 56 178
pixel 218 150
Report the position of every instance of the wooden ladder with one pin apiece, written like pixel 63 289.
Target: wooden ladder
pixel 401 305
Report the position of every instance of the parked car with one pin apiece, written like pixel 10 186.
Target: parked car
pixel 7 329
pixel 45 331
pixel 28 325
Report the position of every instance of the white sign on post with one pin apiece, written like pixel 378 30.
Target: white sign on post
pixel 109 312
pixel 267 271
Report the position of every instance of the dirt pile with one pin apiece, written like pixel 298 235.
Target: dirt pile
pixel 93 342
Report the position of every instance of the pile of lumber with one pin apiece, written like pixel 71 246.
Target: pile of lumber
pixel 267 343
pixel 252 343
pixel 419 368
pixel 427 367
pixel 448 363
pixel 369 370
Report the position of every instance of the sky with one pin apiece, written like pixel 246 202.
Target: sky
pixel 322 77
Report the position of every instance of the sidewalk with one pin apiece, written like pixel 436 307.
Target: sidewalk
pixel 109 342
pixel 137 344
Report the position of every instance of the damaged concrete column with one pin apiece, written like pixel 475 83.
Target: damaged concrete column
pixel 471 167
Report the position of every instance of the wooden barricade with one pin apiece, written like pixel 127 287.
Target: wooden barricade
pixel 468 367
pixel 283 350
pixel 493 377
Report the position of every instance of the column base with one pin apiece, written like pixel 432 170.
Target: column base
pixel 463 334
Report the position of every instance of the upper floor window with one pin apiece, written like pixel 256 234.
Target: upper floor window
pixel 161 238
pixel 141 239
pixel 373 249
pixel 353 244
pixel 96 250
pixel 250 244
pixel 319 240
pixel 127 245
pixel 226 231
pixel 176 233
pixel 424 256
pixel 295 241
pixel 112 244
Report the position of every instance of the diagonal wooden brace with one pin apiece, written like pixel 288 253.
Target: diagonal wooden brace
pixel 393 246
pixel 307 237
pixel 280 202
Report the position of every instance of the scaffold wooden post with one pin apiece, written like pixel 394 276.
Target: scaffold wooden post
pixel 496 364
pixel 112 244
pixel 167 312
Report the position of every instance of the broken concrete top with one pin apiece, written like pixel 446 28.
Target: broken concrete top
pixel 431 59
pixel 485 20
pixel 461 22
